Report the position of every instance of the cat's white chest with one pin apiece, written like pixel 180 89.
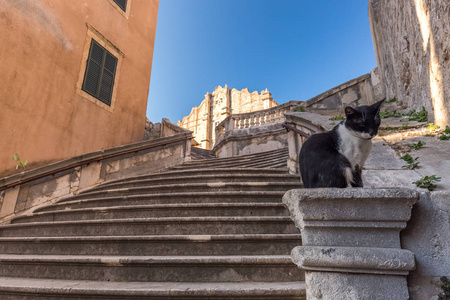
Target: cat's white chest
pixel 355 149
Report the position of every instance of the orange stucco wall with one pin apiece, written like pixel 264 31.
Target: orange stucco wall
pixel 42 50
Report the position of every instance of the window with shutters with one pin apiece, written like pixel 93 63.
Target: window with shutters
pixel 100 72
pixel 122 4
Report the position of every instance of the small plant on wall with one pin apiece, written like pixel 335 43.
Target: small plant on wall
pixel 19 162
pixel 443 284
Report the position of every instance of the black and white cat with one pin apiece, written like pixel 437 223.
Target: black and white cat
pixel 335 158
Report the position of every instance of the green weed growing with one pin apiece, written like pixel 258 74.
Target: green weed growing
pixel 417 146
pixel 412 163
pixel 19 162
pixel 428 182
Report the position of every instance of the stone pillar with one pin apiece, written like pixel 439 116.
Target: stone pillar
pixel 207 120
pixel 351 241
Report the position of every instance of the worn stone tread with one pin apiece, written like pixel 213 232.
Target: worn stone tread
pixel 156 210
pixel 192 188
pixel 147 260
pixel 167 219
pixel 170 225
pixel 239 219
pixel 183 178
pixel 262 161
pixel 230 268
pixel 153 245
pixel 202 171
pixel 156 290
pixel 174 197
pixel 193 238
pixel 248 157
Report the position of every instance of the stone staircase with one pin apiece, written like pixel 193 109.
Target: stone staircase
pixel 210 229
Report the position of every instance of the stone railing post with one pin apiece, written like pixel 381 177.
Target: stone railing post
pixel 229 125
pixel 351 242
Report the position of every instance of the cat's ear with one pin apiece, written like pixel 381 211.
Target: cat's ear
pixel 376 106
pixel 349 111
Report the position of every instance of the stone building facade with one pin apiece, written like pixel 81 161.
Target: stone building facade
pixel 218 105
pixel 75 77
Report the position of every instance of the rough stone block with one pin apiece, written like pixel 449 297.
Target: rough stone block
pixel 351 242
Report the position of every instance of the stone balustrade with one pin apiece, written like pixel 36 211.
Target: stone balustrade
pixel 252 132
pixel 254 119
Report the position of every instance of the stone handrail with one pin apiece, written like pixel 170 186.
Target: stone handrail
pixel 254 119
pixel 28 189
pixel 308 123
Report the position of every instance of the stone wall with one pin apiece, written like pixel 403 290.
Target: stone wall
pixel 412 48
pixel 428 237
pixel 220 104
pixel 363 90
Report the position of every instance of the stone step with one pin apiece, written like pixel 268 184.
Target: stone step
pixel 199 153
pixel 190 188
pixel 245 158
pixel 32 289
pixel 260 162
pixel 185 179
pixel 168 198
pixel 157 210
pixel 248 157
pixel 152 268
pixel 154 226
pixel 153 245
pixel 211 172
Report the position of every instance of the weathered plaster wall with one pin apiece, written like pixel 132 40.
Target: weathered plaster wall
pixel 218 105
pixel 42 50
pixel 412 47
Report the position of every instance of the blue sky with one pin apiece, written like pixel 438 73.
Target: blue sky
pixel 295 48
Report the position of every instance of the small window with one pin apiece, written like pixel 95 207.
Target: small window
pixel 100 72
pixel 122 4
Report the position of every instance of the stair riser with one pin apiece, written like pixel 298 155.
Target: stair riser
pixel 166 228
pixel 152 213
pixel 281 163
pixel 215 179
pixel 210 172
pixel 231 161
pixel 160 248
pixel 144 200
pixel 186 189
pixel 72 295
pixel 153 272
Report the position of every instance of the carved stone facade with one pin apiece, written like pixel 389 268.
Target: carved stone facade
pixel 223 102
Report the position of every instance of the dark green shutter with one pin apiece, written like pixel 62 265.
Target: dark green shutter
pixel 100 72
pixel 122 4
